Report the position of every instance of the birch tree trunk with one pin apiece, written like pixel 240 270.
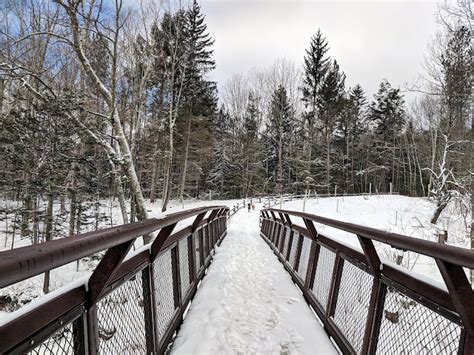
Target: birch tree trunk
pixel 167 184
pixel 123 153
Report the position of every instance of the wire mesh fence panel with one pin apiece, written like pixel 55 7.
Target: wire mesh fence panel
pixel 163 290
pixel 61 342
pixel 323 276
pixel 184 266
pixel 304 258
pixel 409 327
pixel 121 319
pixel 293 250
pixel 353 304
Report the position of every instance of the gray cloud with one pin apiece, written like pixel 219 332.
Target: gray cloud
pixel 371 40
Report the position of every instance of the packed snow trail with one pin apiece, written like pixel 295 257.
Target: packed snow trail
pixel 247 303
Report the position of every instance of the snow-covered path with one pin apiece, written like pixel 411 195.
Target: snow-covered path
pixel 247 303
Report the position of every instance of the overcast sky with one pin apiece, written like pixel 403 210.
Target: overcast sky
pixel 371 40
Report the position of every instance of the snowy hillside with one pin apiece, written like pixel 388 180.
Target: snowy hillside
pixel 409 216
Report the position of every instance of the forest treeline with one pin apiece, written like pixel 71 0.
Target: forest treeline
pixel 98 99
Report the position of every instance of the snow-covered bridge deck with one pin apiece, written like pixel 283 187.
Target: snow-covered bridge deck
pixel 248 304
pixel 215 287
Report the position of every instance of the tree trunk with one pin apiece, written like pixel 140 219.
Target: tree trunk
pixel 280 162
pixel 129 169
pixel 185 164
pixel 25 215
pixel 48 235
pixel 72 212
pixel 121 198
pixel 167 184
pixel 35 220
pixel 154 176
pixel 471 165
pixel 62 205
pixel 441 206
pixel 328 161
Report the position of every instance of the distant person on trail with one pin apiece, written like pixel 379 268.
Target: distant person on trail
pixel 253 206
pixel 248 206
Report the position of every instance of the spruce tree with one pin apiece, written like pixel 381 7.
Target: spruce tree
pixel 199 59
pixel 251 158
pixel 330 106
pixel 280 127
pixel 351 126
pixel 219 179
pixel 387 119
pixel 316 64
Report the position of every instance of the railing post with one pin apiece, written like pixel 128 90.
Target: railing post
pixel 92 330
pixel 206 236
pixel 290 244
pixel 192 246
pixel 191 258
pixel 313 254
pixel 461 292
pixel 160 240
pixel 466 346
pixel 311 273
pixel 335 283
pixel 176 276
pixel 377 302
pixel 374 313
pixel 277 236
pixel 148 308
pixel 299 247
pixel 281 245
pixel 79 331
pixel 202 257
pixel 270 230
pixel 105 270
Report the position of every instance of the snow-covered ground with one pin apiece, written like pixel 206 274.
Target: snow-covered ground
pixel 248 304
pixel 409 216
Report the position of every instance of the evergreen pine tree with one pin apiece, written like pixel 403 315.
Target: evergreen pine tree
pixel 351 126
pixel 330 106
pixel 199 58
pixel 251 159
pixel 219 179
pixel 387 119
pixel 280 127
pixel 316 64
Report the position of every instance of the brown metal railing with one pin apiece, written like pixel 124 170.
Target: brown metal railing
pixel 130 304
pixel 369 306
